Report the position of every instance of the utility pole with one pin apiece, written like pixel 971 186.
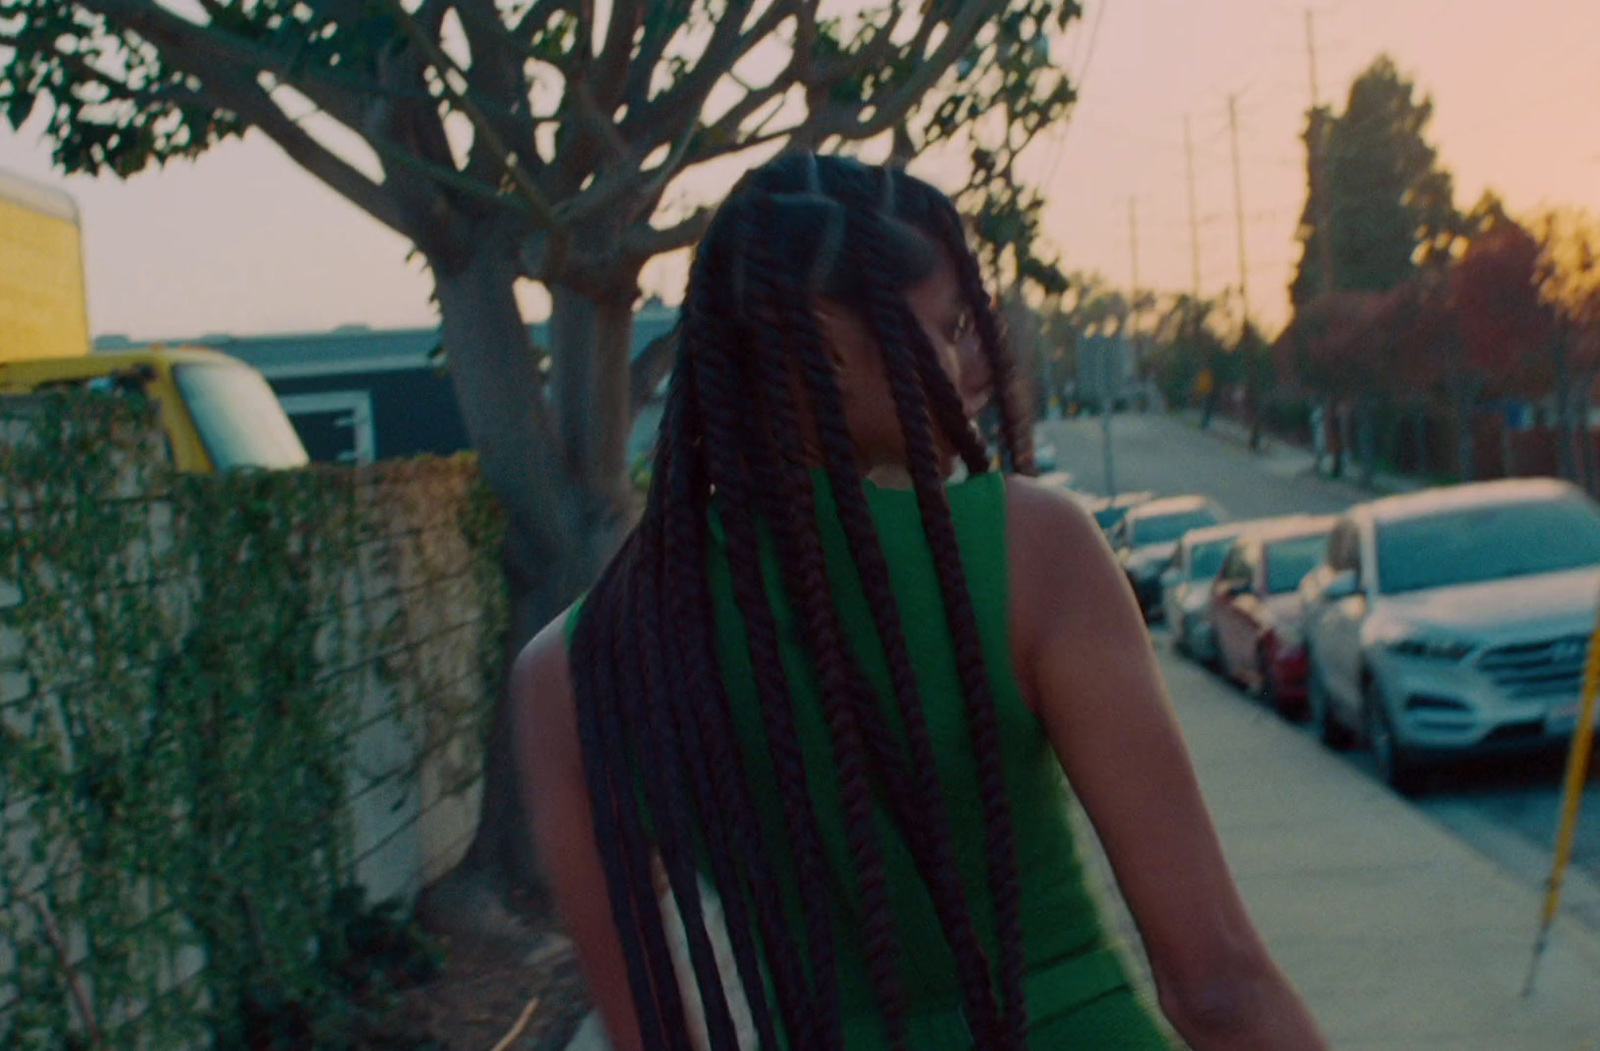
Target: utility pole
pixel 1238 206
pixel 1252 367
pixel 1316 134
pixel 1133 295
pixel 1322 203
pixel 1194 215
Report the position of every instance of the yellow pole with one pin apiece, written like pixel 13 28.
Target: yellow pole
pixel 1572 797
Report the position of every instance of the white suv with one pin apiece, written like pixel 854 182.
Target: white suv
pixel 1453 620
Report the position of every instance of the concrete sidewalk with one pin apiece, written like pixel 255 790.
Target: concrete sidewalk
pixel 1399 935
pixel 1277 456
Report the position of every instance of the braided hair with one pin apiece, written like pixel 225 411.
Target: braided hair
pixel 664 765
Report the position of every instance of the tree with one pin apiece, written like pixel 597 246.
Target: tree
pixel 1566 274
pixel 546 140
pixel 1375 181
pixel 1184 346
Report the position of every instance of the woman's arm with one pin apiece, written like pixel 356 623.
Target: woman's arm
pixel 1086 661
pixel 556 799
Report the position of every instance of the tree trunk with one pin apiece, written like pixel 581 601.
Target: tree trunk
pixel 1419 439
pixel 1508 448
pixel 1366 441
pixel 1563 382
pixel 1462 409
pixel 561 482
pixel 1342 454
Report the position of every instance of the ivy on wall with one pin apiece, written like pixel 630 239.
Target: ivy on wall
pixel 175 717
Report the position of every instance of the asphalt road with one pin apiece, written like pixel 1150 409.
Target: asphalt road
pixel 1508 810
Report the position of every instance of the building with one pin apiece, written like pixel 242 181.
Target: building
pixel 357 394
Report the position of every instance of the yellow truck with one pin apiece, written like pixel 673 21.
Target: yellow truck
pixel 44 310
pixel 217 412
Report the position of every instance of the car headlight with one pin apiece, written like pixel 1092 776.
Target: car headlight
pixel 1429 647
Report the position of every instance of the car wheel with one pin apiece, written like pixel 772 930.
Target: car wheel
pixel 1397 768
pixel 1324 724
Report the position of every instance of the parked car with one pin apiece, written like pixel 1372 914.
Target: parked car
pixel 1453 621
pixel 1108 511
pixel 1147 538
pixel 1256 609
pixel 1186 588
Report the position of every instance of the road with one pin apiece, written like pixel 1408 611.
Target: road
pixel 1507 810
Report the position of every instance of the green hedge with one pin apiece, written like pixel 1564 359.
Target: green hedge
pixel 175 850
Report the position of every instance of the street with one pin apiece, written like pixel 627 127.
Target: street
pixel 1508 810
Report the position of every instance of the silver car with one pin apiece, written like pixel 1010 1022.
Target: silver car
pixel 1453 621
pixel 1186 588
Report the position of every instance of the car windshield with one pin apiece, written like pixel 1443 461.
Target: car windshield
pixel 1471 545
pixel 239 417
pixel 1205 560
pixel 1163 529
pixel 1110 516
pixel 1290 559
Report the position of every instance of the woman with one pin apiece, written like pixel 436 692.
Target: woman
pixel 850 692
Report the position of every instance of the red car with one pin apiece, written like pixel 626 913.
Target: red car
pixel 1256 612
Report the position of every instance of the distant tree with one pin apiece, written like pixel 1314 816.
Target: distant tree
pixel 1186 345
pixel 1567 276
pixel 1389 203
pixel 546 140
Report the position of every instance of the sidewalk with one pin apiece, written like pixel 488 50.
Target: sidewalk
pixel 1283 458
pixel 1400 936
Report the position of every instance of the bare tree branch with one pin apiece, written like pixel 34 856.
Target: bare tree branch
pixel 963 29
pixel 658 33
pixel 641 243
pixel 444 66
pixel 537 17
pixel 447 176
pixel 226 66
pixel 611 70
pixel 722 137
pixel 256 106
pixel 598 123
pixel 875 51
pixel 209 52
pixel 497 77
pixel 664 118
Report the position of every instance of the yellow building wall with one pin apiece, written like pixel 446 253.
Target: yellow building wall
pixel 43 302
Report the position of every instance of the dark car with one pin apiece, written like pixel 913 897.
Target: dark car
pixel 1147 538
pixel 1257 613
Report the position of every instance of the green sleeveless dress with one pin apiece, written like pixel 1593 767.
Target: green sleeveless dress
pixel 1079 995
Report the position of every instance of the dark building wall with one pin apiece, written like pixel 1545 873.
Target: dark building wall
pixel 413 410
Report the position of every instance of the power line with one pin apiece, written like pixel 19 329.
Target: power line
pixel 1238 205
pixel 1083 72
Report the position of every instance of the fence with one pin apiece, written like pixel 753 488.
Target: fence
pixel 224 702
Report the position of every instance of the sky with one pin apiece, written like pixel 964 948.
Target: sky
pixel 242 241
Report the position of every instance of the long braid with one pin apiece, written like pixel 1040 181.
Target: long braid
pixel 709 752
pixel 793 511
pixel 903 341
pixel 926 821
pixel 644 682
pixel 721 396
pixel 618 825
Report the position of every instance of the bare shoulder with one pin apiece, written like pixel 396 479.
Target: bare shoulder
pixel 1061 569
pixel 1045 513
pixel 1052 537
pixel 541 693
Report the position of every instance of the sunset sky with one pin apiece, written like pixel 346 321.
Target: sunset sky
pixel 244 242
